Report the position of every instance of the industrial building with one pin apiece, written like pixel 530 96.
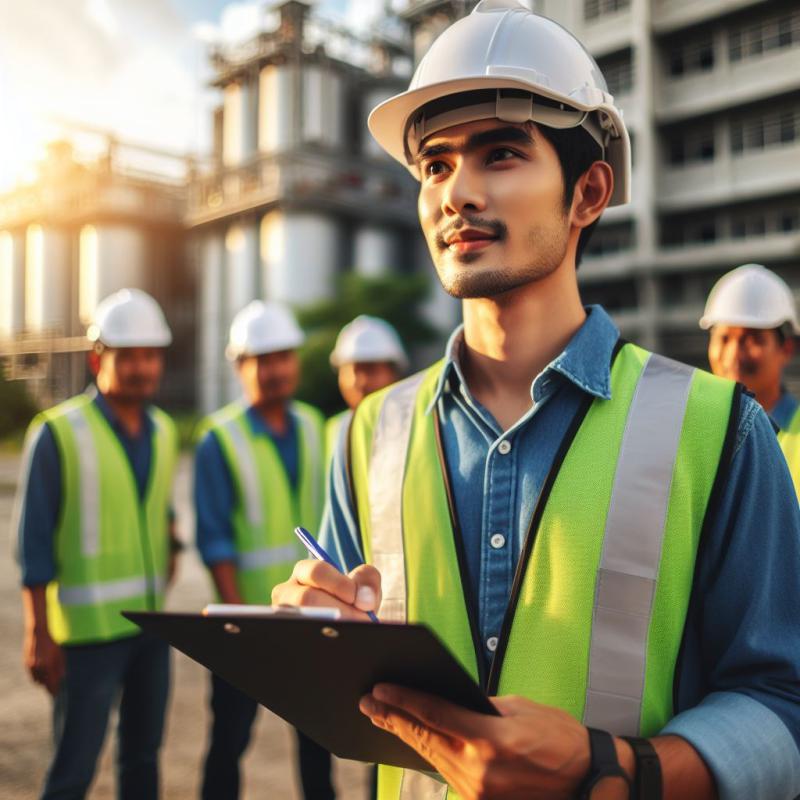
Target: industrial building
pixel 299 193
pixel 711 95
pixel 95 219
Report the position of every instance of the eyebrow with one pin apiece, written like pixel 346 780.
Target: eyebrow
pixel 506 135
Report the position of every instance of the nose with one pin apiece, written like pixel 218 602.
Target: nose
pixel 465 192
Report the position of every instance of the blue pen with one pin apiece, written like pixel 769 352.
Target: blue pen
pixel 316 550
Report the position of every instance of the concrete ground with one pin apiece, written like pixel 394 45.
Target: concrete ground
pixel 25 707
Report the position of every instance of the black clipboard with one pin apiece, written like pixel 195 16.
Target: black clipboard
pixel 312 673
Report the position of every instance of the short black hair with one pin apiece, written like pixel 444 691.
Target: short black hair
pixel 576 151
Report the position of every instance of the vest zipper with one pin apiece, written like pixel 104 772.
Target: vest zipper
pixel 530 536
pixel 461 557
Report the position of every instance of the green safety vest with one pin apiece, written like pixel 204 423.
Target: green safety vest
pixel 595 621
pixel 789 440
pixel 267 509
pixel 111 548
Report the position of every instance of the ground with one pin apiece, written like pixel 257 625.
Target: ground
pixel 25 707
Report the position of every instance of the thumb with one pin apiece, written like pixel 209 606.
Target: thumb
pixel 368 587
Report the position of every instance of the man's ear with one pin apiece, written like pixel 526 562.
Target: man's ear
pixel 592 194
pixel 788 347
pixel 93 359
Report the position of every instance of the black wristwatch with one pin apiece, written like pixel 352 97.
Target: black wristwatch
pixel 647 783
pixel 604 765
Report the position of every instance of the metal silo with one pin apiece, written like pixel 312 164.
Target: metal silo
pixel 111 257
pixel 12 284
pixel 323 106
pixel 47 279
pixel 239 122
pixel 300 255
pixel 375 251
pixel 276 107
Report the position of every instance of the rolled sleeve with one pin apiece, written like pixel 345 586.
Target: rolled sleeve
pixel 39 505
pixel 746 746
pixel 738 690
pixel 214 499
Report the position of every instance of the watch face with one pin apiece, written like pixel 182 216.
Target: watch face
pixel 608 787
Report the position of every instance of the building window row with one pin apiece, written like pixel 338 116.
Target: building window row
pixel 755 39
pixel 765 222
pixel 617 69
pixel 691 56
pixel 592 9
pixel 686 147
pixel 766 130
pixel 611 238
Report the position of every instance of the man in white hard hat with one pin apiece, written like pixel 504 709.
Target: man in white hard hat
pixel 96 538
pixel 603 537
pixel 752 319
pixel 259 472
pixel 368 356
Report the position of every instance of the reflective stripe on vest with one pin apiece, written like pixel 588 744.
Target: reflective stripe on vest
pixel 109 590
pixel 312 436
pixel 88 482
pixel 246 462
pixel 268 556
pixel 386 470
pixel 632 546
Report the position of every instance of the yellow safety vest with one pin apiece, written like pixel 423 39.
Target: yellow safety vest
pixel 789 440
pixel 596 617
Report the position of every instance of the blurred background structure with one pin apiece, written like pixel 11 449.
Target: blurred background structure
pixel 294 194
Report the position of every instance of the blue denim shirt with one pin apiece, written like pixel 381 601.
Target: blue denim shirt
pixel 41 490
pixel 215 494
pixel 738 685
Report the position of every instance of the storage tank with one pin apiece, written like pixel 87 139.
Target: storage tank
pixel 47 280
pixel 12 284
pixel 300 256
pixel 239 123
pixel 370 99
pixel 276 108
pixel 212 331
pixel 111 257
pixel 375 251
pixel 323 107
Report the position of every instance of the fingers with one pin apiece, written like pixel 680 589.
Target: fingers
pixel 435 713
pixel 292 593
pixel 319 575
pixel 368 591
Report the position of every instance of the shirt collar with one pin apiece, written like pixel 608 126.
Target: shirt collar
pixel 784 410
pixel 585 361
pixel 108 413
pixel 259 425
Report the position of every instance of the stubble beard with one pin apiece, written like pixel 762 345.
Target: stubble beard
pixel 462 281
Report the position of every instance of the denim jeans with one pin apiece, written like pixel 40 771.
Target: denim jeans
pixel 233 714
pixel 135 671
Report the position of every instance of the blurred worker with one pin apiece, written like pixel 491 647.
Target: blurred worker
pixel 95 538
pixel 259 472
pixel 605 538
pixel 752 317
pixel 368 356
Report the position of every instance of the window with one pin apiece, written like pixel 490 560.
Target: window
pixel 766 129
pixel 618 72
pixel 687 57
pixel 592 9
pixel 690 146
pixel 755 39
pixel 610 238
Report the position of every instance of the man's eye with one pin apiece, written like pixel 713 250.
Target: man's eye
pixel 500 154
pixel 434 168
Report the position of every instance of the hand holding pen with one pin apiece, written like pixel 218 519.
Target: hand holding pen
pixel 320 582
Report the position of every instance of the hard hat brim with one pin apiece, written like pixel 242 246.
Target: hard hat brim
pixel 388 121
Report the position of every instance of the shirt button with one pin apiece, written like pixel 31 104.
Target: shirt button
pixel 504 448
pixel 491 643
pixel 497 540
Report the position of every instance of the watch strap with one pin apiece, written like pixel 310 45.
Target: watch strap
pixel 647 783
pixel 603 762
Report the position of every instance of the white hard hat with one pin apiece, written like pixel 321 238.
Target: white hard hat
pixel 500 46
pixel 750 296
pixel 129 318
pixel 368 339
pixel 263 328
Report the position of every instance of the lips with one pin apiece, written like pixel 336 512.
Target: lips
pixel 470 239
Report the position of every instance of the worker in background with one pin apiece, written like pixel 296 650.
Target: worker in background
pixel 752 319
pixel 95 537
pixel 259 472
pixel 538 496
pixel 368 356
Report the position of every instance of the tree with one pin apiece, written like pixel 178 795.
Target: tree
pixel 395 298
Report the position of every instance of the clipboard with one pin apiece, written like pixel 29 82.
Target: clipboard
pixel 313 672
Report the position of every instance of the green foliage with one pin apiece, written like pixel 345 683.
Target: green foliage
pixel 16 408
pixel 395 298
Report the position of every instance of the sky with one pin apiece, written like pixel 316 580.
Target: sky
pixel 135 67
